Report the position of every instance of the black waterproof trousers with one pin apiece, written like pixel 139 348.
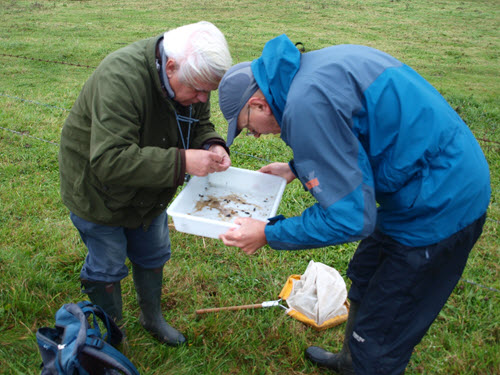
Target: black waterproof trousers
pixel 401 290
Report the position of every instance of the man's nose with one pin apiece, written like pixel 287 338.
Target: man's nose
pixel 202 97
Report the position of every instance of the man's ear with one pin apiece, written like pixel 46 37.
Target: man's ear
pixel 170 67
pixel 260 104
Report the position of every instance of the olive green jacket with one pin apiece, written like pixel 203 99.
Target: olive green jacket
pixel 121 155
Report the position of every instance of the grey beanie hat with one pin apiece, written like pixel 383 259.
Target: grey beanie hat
pixel 236 87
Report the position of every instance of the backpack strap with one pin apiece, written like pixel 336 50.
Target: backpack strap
pixel 72 319
pixel 114 335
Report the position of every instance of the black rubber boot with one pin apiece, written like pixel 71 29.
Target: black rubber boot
pixel 107 295
pixel 148 284
pixel 342 361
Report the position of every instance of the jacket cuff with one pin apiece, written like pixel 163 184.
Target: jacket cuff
pixel 217 141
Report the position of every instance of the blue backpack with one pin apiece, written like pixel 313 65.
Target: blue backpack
pixel 77 346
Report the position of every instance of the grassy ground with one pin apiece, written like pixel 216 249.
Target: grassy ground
pixel 454 44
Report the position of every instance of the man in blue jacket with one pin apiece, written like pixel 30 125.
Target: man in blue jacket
pixel 389 162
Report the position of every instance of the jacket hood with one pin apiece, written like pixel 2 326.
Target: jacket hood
pixel 274 72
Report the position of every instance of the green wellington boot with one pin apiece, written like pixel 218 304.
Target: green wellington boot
pixel 340 362
pixel 148 284
pixel 107 295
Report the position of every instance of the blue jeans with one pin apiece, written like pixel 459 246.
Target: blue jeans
pixel 109 246
pixel 400 291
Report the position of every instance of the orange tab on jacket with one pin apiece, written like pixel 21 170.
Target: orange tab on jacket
pixel 312 183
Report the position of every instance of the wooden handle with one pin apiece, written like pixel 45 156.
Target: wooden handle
pixel 231 308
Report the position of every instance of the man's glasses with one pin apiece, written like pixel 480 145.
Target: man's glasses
pixel 247 126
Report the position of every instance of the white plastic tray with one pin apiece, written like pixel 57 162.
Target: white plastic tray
pixel 208 206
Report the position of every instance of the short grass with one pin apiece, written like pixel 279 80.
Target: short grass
pixel 454 44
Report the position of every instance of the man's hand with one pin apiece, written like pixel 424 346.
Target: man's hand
pixel 249 236
pixel 221 151
pixel 201 162
pixel 279 169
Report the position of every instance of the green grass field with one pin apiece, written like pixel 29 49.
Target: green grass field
pixel 47 51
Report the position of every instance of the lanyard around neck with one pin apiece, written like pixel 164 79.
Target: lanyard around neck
pixel 185 143
pixel 190 121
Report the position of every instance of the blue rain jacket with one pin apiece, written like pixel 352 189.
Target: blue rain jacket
pixel 374 143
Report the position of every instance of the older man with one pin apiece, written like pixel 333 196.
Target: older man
pixel 389 162
pixel 140 125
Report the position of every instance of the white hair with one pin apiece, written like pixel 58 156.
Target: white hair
pixel 200 52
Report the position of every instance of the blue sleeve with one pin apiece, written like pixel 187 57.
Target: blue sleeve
pixel 342 222
pixel 333 166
